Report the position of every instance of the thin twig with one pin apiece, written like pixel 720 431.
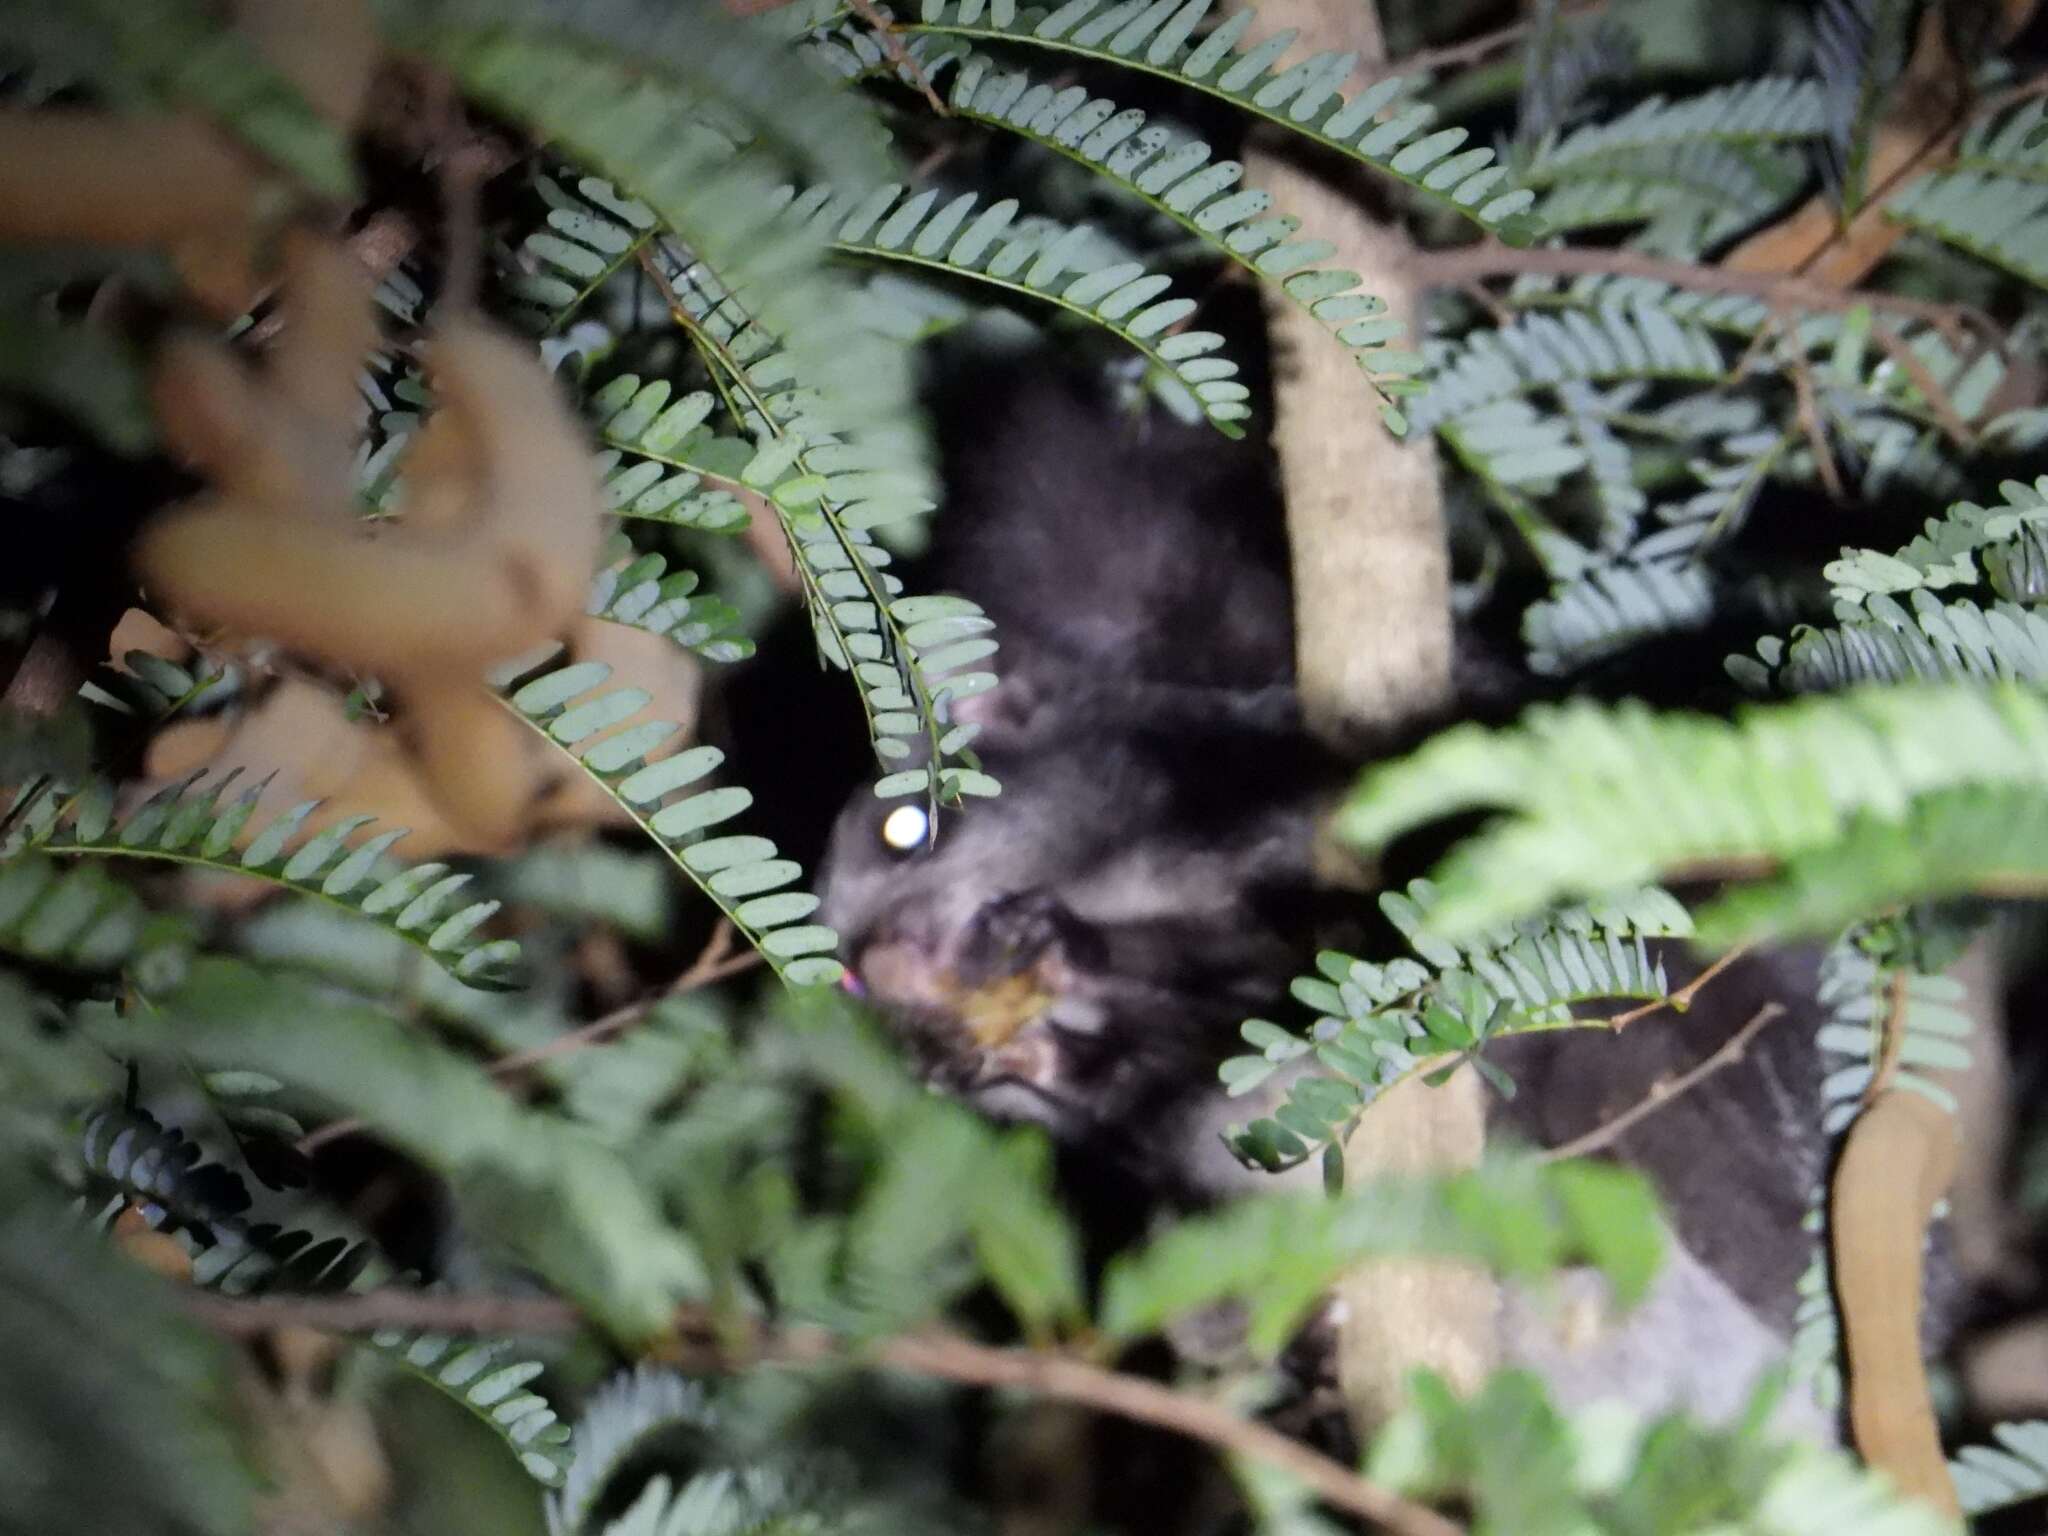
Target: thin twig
pixel 892 47
pixel 1891 1039
pixel 1664 1090
pixel 1682 998
pixel 1816 433
pixel 248 1317
pixel 714 964
pixel 697 1335
pixel 1430 60
pixel 1491 258
pixel 459 171
pixel 1946 415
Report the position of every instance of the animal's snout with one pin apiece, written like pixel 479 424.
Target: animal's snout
pixel 976 997
pixel 1022 932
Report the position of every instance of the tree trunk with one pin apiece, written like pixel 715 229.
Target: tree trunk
pixel 1373 649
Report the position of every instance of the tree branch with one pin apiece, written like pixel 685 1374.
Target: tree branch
pixel 714 964
pixel 1430 60
pixel 1664 1090
pixel 699 1337
pixel 1780 290
pixel 1682 998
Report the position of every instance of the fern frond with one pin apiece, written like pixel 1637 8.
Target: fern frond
pixel 1611 609
pixel 1158 39
pixel 1963 842
pixel 1863 1000
pixel 589 238
pixel 632 590
pixel 1379 1022
pixel 678 464
pixel 2007 145
pixel 1174 175
pixel 2013 1471
pixel 1859 47
pixel 1541 351
pixel 2010 540
pixel 736 73
pixel 1723 190
pixel 187 824
pixel 1877 639
pixel 79 917
pixel 631 122
pixel 1597 797
pixel 1765 111
pixel 621 1418
pixel 741 875
pixel 1880 641
pixel 158 1170
pixel 530 1181
pixel 907 653
pixel 1515 451
pixel 731 1501
pixel 1610 465
pixel 1123 298
pixel 1561 61
pixel 154 689
pixel 1995 218
pixel 1732 314
pixel 1814 1354
pixel 486 1377
pixel 1730 482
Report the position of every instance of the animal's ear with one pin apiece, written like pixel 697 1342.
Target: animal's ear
pixel 1019 713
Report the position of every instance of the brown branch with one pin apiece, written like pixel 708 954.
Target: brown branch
pixel 249 1317
pixel 1816 433
pixel 892 47
pixel 1664 1090
pixel 48 674
pixel 1491 258
pixel 1148 1402
pixel 1430 60
pixel 1682 998
pixel 696 1334
pixel 714 964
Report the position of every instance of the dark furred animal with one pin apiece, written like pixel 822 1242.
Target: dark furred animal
pixel 1081 950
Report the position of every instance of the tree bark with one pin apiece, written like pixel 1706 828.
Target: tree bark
pixel 1373 650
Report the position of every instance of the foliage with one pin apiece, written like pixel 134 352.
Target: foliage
pixel 724 230
pixel 1591 794
pixel 2014 1470
pixel 186 823
pixel 1380 1023
pixel 1525 1466
pixel 1279 1253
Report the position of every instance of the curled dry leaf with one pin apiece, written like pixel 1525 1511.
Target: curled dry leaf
pixel 178 182
pixel 488 556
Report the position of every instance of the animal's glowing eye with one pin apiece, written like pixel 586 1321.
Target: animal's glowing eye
pixel 904 828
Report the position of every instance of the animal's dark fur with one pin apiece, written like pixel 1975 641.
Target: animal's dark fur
pixel 1143 883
